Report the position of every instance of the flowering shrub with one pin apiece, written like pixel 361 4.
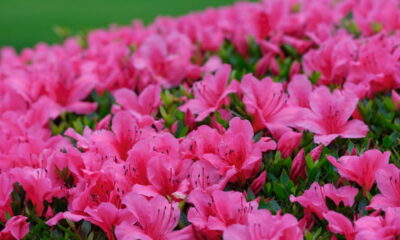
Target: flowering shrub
pixel 271 120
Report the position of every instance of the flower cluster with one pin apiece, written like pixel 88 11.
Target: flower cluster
pixel 276 119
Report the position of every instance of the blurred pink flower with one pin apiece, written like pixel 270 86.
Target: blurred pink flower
pixel 16 227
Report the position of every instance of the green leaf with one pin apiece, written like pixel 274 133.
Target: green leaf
pixel 220 120
pixel 309 162
pixel 376 26
pixel 315 77
pixel 280 191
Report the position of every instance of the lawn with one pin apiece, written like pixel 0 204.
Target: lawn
pixel 23 23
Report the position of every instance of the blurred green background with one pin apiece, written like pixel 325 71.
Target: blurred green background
pixel 23 23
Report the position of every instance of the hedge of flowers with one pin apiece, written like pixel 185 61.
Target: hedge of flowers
pixel 270 120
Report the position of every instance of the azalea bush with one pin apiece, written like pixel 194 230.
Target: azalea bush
pixel 266 120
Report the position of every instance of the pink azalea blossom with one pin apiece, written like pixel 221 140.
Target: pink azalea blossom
pixel 238 151
pixel 125 133
pixel 206 177
pixel 211 93
pixel 219 210
pixel 329 116
pixel 289 142
pixel 371 16
pixel 162 60
pixel 200 142
pixel 344 194
pixel 332 60
pixel 156 167
pixel 106 216
pixel 363 169
pixel 387 179
pixel 337 223
pixel 143 107
pixel 267 102
pixel 37 185
pixel 299 89
pixel 298 168
pixel 139 174
pixel 166 176
pixel 60 81
pixel 388 227
pixel 258 183
pixel 313 199
pixel 16 227
pixel 316 153
pixel 156 218
pixel 5 195
pixel 261 224
pixel 376 65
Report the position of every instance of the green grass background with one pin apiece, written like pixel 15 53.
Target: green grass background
pixel 23 23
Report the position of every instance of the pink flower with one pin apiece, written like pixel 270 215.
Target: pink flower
pixel 5 195
pixel 258 183
pixel 143 107
pixel 329 116
pixel 105 215
pixel 344 194
pixel 337 223
pixel 162 59
pixel 387 179
pixel 205 177
pixel 97 187
pixel 372 16
pixel 10 100
pixel 167 177
pixel 211 93
pixel 289 142
pixel 267 102
pixel 238 151
pixel 298 168
pixel 58 78
pixel 37 185
pixel 261 224
pixel 125 133
pixel 332 60
pixel 313 199
pixel 316 153
pixel 156 168
pixel 378 227
pixel 361 170
pixel 16 228
pixel 299 89
pixel 201 141
pixel 376 65
pixel 219 210
pixel 156 218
